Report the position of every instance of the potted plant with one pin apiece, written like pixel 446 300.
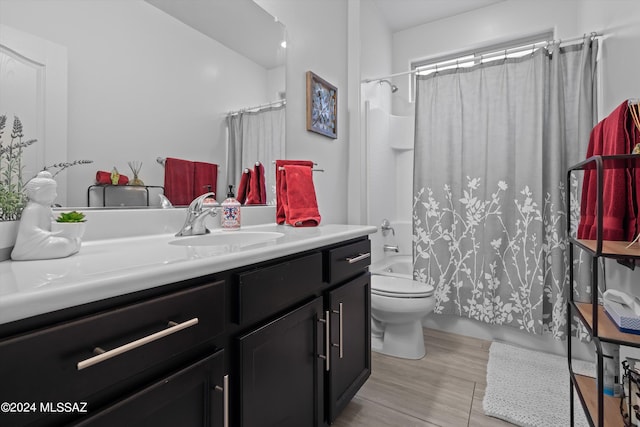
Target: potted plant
pixel 12 196
pixel 70 224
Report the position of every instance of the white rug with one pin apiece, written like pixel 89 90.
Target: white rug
pixel 530 388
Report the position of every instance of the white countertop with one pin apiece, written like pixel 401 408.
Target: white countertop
pixel 111 267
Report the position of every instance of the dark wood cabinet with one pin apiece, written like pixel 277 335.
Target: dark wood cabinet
pixel 284 342
pixel 304 367
pixel 280 371
pixel 350 306
pixel 98 358
pixel 193 397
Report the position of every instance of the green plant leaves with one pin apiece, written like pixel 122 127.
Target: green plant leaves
pixel 73 216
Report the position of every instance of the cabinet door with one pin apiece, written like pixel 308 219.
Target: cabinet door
pixel 280 372
pixel 194 396
pixel 350 306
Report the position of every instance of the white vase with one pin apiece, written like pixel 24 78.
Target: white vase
pixel 70 230
pixel 8 234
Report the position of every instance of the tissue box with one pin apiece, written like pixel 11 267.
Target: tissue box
pixel 623 317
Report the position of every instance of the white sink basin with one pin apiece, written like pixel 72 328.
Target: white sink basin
pixel 237 239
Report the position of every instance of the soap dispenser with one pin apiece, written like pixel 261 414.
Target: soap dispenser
pixel 230 218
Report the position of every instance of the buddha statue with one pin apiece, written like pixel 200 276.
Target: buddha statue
pixel 35 239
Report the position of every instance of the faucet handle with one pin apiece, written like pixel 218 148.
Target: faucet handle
pixel 386 226
pixel 196 204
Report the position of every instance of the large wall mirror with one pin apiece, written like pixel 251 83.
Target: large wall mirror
pixel 145 80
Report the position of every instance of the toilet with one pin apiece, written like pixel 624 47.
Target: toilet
pixel 397 308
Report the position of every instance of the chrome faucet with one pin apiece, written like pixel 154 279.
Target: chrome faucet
pixel 196 214
pixel 389 248
pixel 386 226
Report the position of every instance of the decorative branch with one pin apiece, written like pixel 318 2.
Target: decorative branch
pixel 12 197
pixel 64 165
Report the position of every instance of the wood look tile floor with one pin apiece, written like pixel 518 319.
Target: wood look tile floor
pixel 443 389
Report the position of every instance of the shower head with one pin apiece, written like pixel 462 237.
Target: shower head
pixel 394 88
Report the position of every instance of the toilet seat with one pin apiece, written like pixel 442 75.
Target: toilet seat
pixel 399 287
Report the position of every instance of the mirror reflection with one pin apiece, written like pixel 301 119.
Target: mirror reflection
pixel 138 82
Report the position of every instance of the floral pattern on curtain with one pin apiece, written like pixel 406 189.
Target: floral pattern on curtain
pixel 492 146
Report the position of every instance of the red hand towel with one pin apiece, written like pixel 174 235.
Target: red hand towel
pixel 588 199
pixel 259 168
pixel 178 181
pixel 243 187
pixel 257 191
pixel 104 178
pixel 301 208
pixel 281 186
pixel 634 137
pixel 205 178
pixel 613 135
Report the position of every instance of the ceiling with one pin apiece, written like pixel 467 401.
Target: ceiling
pixel 403 14
pixel 234 23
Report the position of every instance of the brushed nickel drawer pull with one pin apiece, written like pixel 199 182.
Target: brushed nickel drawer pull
pixel 102 355
pixel 327 341
pixel 360 257
pixel 225 398
pixel 340 340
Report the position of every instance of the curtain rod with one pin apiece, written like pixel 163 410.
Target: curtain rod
pixel 258 107
pixel 571 40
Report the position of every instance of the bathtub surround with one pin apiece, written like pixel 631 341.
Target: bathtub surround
pixel 488 237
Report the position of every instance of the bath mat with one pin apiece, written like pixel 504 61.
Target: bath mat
pixel 530 388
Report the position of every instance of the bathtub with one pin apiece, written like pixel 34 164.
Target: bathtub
pixel 394 265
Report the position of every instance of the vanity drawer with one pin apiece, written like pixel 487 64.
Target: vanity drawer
pixel 347 261
pixel 265 291
pixel 135 338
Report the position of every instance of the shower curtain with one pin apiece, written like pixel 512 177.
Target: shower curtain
pixel 256 136
pixel 492 145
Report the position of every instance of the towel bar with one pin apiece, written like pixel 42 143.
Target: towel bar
pixel 312 170
pixel 314 163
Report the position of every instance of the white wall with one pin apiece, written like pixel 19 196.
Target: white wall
pixel 376 55
pixel 317 41
pixel 375 60
pixel 499 22
pixel 619 22
pixel 141 85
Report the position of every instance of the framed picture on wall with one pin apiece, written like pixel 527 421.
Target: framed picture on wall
pixel 322 106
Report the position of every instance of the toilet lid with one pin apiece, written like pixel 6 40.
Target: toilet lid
pixel 398 287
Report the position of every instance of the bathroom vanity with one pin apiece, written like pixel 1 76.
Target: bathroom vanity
pixel 155 331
